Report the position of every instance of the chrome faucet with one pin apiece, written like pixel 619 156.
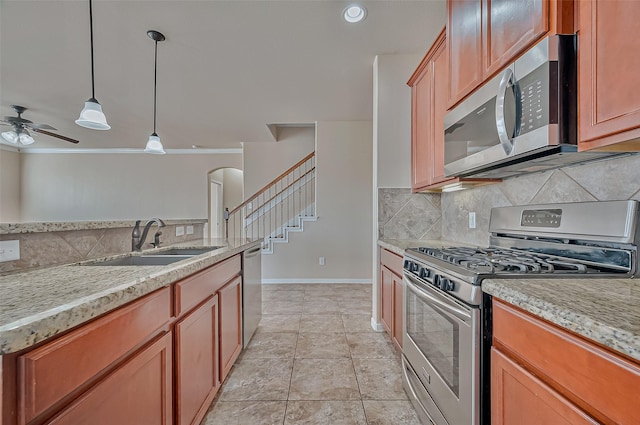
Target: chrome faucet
pixel 137 240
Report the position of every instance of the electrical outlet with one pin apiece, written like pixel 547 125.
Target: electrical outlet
pixel 472 220
pixel 189 230
pixel 321 261
pixel 179 230
pixel 9 250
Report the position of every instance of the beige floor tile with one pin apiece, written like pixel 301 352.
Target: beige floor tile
pixel 313 296
pixel 283 295
pixel 371 345
pixel 357 322
pixel 379 379
pixel 326 290
pixel 323 379
pixel 260 379
pixel 321 323
pixel 282 307
pixel 321 307
pixel 284 287
pixel 246 412
pixel 279 323
pixel 325 413
pixel 313 345
pixel 395 412
pixel 355 306
pixel 271 345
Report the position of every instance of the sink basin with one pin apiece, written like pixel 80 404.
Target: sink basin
pixel 141 260
pixel 186 251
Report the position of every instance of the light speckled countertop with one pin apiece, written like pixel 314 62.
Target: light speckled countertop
pixel 59 226
pixel 38 304
pixel 603 310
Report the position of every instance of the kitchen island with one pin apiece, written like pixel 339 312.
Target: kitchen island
pixel 125 344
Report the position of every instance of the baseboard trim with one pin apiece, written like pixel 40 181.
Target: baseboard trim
pixel 376 326
pixel 305 281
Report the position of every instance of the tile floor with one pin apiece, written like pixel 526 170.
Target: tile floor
pixel 315 360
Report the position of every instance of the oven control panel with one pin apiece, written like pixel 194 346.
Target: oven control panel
pixel 541 218
pixel 429 276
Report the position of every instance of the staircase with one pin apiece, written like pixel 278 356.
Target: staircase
pixel 279 208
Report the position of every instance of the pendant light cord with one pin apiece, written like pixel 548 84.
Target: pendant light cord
pixel 155 85
pixel 93 94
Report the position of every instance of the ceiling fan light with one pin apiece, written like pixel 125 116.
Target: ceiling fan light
pixel 92 116
pixel 154 145
pixel 25 138
pixel 10 136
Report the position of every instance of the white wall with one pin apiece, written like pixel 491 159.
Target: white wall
pixel 342 233
pixel 265 161
pixel 232 189
pixel 10 180
pixel 392 118
pixel 87 186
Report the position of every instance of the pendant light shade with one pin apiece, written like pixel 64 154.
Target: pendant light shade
pixel 154 145
pixel 91 115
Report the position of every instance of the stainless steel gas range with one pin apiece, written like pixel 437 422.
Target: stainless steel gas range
pixel 447 319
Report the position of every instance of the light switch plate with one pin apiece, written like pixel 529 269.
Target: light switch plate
pixel 9 250
pixel 179 230
pixel 189 230
pixel 472 220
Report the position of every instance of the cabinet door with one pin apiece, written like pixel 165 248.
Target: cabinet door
pixel 397 310
pixel 139 392
pixel 510 27
pixel 197 368
pixel 440 81
pixel 518 397
pixel 464 41
pixel 608 77
pixel 230 325
pixel 422 129
pixel 386 298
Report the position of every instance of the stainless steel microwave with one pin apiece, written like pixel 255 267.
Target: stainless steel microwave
pixel 523 120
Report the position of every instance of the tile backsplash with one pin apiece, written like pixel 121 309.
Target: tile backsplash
pixel 447 215
pixel 49 248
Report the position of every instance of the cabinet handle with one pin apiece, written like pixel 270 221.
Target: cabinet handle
pixel 505 140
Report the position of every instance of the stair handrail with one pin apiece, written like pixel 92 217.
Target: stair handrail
pixel 309 171
pixel 272 182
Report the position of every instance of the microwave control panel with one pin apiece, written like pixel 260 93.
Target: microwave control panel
pixel 534 92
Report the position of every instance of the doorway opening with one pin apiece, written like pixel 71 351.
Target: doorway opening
pixel 226 191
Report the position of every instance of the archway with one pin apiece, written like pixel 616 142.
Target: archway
pixel 225 186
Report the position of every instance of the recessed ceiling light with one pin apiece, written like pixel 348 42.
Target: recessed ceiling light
pixel 354 13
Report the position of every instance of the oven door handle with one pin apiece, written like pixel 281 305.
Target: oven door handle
pixel 445 306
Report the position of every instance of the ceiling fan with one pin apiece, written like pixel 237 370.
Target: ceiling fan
pixel 20 133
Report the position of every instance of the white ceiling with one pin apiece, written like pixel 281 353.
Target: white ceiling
pixel 225 71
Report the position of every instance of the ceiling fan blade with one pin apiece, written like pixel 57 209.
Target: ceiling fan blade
pixel 68 139
pixel 41 127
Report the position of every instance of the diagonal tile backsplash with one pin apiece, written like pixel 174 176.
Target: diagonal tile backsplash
pixel 403 215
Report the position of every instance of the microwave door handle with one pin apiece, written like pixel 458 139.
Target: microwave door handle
pixel 501 126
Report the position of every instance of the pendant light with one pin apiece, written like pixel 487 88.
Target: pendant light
pixel 153 144
pixel 91 115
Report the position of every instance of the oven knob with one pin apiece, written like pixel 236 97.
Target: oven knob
pixel 407 264
pixel 446 284
pixel 424 272
pixel 414 267
pixel 436 280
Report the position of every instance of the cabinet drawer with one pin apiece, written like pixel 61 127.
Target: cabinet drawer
pixel 193 290
pixel 49 373
pixel 392 261
pixel 600 382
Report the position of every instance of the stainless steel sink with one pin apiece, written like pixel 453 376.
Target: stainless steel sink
pixel 187 251
pixel 141 260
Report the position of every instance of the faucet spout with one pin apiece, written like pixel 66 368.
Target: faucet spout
pixel 137 244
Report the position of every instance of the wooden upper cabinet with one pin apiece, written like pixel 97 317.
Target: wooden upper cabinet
pixel 483 36
pixel 440 84
pixel 509 28
pixel 608 77
pixel 421 127
pixel 464 41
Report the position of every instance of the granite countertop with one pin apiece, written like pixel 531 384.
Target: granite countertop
pixel 60 226
pixel 36 305
pixel 603 310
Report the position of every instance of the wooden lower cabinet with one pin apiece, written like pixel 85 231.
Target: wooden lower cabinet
pixel 391 288
pixel 138 392
pixel 544 374
pixel 230 325
pixel 519 397
pixel 196 363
